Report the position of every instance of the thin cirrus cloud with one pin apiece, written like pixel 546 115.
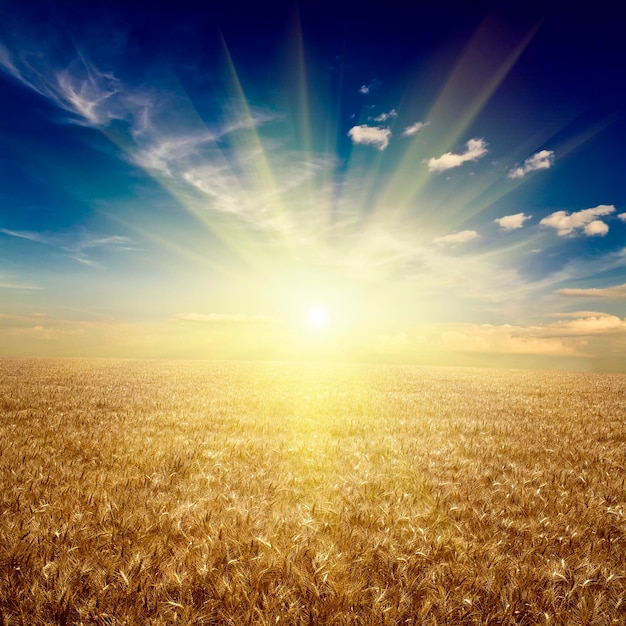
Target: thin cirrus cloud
pixel 413 129
pixel 618 292
pixel 475 149
pixel 14 285
pixel 173 147
pixel 76 246
pixel 541 160
pixel 580 221
pixel 461 237
pixel 25 234
pixel 370 136
pixel 512 222
pixel 80 89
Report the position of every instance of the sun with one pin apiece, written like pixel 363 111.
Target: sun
pixel 318 317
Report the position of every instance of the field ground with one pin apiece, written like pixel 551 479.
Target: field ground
pixel 137 492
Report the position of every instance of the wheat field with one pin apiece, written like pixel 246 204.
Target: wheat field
pixel 141 492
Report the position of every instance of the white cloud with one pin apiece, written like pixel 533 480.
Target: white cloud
pixel 460 237
pixel 618 292
pixel 367 87
pixel 596 227
pixel 383 117
pixel 566 223
pixel 541 160
pixel 622 216
pixel 475 149
pixel 512 222
pixel 370 136
pixel 413 129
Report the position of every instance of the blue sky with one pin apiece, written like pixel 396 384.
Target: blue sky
pixel 445 183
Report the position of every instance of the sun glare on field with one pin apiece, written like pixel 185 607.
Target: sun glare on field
pixel 318 317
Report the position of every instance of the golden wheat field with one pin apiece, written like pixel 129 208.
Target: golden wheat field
pixel 139 492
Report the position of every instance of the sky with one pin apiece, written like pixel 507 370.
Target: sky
pixel 426 184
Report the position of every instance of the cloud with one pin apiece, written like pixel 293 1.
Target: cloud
pixel 84 93
pixel 598 323
pixel 75 245
pixel 80 89
pixel 370 136
pixel 622 216
pixel 383 117
pixel 24 234
pixel 366 88
pixel 512 222
pixel 460 237
pixel 567 223
pixel 11 285
pixel 541 160
pixel 475 149
pixel 413 129
pixel 596 227
pixel 564 337
pixel 247 179
pixel 586 334
pixel 618 292
pixel 503 339
pixel 116 241
pixel 220 318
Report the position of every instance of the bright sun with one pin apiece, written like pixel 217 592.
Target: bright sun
pixel 318 317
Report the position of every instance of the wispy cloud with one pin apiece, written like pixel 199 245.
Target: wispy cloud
pixel 541 160
pixel 460 237
pixel 75 245
pixel 618 292
pixel 568 223
pixel 166 143
pixel 370 136
pixel 475 149
pixel 413 129
pixel 384 117
pixel 622 216
pixel 14 285
pixel 512 222
pixel 25 234
pixel 79 88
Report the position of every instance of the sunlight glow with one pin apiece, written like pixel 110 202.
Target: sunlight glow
pixel 318 317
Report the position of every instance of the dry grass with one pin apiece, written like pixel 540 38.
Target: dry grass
pixel 215 493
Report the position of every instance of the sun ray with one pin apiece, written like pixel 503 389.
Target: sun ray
pixel 473 81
